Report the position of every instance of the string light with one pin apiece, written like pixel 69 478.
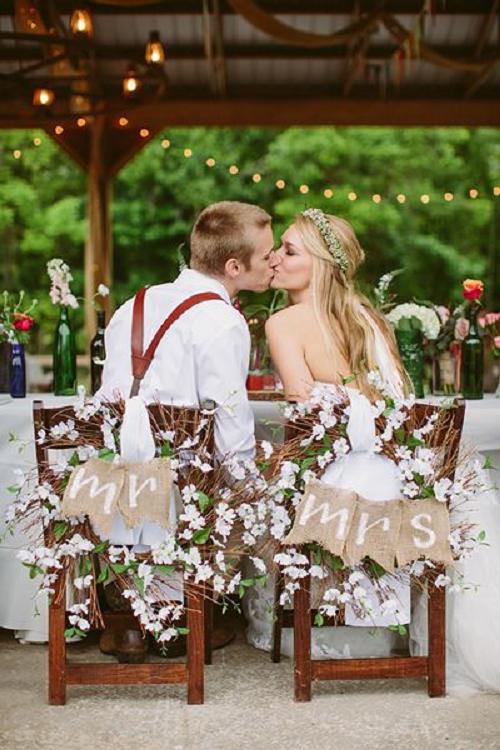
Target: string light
pixel 473 193
pixel 256 178
pixel 122 122
pixel 210 162
pixel 376 198
pixel 280 184
pixel 37 141
pixel 496 190
pixel 144 133
pixel 16 154
pixel 43 97
pixel 233 169
pixel 188 153
pixel 425 198
pixel 304 189
pixel 401 198
pixel 155 52
pixel 81 122
pixel 328 193
pixel 165 143
pixel 448 196
pixel 58 130
pixel 352 196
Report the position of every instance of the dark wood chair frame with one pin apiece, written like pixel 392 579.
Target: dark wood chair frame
pixel 301 618
pixel 199 607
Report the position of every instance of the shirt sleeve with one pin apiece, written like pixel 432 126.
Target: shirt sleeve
pixel 221 377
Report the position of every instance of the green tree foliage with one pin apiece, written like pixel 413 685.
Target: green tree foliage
pixel 157 196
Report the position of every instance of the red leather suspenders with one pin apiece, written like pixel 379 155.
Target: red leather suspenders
pixel 141 359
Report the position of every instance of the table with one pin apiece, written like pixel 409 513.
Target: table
pixel 17 591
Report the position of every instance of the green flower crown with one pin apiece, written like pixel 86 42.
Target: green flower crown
pixel 332 241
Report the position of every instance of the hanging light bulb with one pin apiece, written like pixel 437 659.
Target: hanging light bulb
pixel 131 82
pixel 81 22
pixel 155 52
pixel 43 97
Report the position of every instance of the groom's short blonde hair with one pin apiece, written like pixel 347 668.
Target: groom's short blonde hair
pixel 223 231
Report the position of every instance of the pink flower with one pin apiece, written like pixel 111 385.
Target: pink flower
pixel 443 313
pixel 497 341
pixel 461 329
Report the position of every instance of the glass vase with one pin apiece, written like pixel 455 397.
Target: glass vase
pixel 17 371
pixel 411 349
pixel 64 360
pixel 4 367
pixel 443 374
pixel 472 358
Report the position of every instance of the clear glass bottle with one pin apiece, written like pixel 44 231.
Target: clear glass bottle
pixel 97 353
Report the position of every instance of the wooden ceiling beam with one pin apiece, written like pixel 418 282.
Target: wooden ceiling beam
pixel 283 7
pixel 283 111
pixel 244 52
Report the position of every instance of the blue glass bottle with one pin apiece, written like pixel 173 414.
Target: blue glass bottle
pixel 17 371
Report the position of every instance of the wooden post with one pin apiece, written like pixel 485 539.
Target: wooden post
pixel 195 644
pixel 436 685
pixel 302 640
pixel 57 645
pixel 98 246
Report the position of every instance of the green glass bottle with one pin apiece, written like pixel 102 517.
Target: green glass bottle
pixel 64 361
pixel 472 357
pixel 411 348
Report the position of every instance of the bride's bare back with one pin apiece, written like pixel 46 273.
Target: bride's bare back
pixel 300 353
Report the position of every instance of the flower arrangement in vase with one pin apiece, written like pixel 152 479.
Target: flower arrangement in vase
pixel 472 347
pixel 414 323
pixel 15 324
pixel 64 353
pixel 261 375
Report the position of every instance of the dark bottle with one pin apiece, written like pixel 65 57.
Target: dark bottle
pixel 64 356
pixel 97 353
pixel 472 360
pixel 17 371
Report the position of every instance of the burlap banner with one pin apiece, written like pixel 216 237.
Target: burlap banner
pixel 352 527
pixel 98 489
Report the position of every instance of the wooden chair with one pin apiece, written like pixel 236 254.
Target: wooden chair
pixel 198 608
pixel 301 618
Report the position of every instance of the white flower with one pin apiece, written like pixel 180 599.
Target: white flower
pixel 441 489
pixel 83 582
pixel 267 448
pixel 103 290
pixel 427 317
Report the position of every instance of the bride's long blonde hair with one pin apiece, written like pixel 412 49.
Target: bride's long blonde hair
pixel 339 305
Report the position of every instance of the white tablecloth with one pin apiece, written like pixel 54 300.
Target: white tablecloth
pixel 17 591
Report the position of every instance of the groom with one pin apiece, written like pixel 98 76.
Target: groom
pixel 205 354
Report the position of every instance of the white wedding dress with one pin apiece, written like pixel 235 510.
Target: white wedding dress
pixel 473 617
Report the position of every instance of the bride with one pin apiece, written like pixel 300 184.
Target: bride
pixel 328 335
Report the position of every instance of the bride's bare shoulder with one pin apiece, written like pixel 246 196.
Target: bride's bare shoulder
pixel 290 317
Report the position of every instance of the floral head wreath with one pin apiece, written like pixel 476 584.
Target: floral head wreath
pixel 333 243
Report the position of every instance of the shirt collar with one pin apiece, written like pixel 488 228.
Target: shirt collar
pixel 199 282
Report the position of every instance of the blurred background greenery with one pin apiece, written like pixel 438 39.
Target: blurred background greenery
pixel 157 196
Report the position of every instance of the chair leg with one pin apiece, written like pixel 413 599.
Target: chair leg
pixel 437 641
pixel 209 626
pixel 195 644
pixel 302 641
pixel 57 647
pixel 277 621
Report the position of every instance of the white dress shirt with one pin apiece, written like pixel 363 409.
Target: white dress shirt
pixel 204 355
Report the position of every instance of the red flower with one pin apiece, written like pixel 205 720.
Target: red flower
pixel 23 322
pixel 472 289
